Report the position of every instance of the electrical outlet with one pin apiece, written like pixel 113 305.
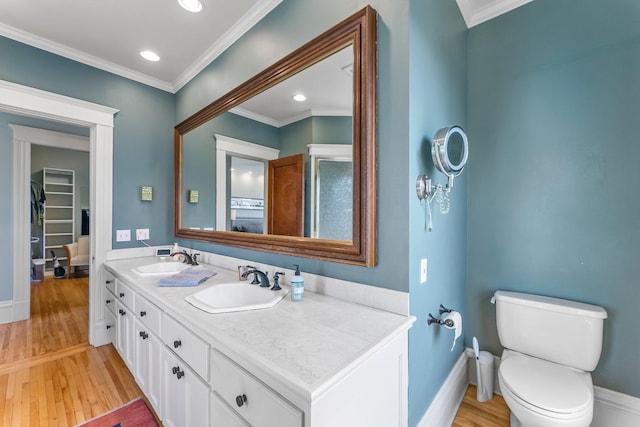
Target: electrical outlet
pixel 123 235
pixel 423 270
pixel 142 234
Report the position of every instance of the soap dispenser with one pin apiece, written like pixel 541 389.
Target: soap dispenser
pixel 297 285
pixel 175 252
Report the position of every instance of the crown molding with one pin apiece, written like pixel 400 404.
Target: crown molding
pixel 473 15
pixel 82 57
pixel 248 20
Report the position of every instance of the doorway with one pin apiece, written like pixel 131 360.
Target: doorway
pixel 23 100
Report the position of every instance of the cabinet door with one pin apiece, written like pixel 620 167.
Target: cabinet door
pixel 185 395
pixel 124 335
pixel 148 365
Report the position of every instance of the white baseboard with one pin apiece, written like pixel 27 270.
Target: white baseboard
pixel 444 407
pixel 13 311
pixel 610 407
pixel 615 409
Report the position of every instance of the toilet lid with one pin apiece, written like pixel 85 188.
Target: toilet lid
pixel 546 385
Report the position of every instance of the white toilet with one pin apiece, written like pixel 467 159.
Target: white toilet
pixel 551 347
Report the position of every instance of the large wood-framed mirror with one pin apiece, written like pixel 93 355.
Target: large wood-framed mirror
pixel 260 172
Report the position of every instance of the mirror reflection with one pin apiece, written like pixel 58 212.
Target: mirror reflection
pixel 276 164
pixel 315 154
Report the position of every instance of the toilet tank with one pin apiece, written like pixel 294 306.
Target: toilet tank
pixel 557 330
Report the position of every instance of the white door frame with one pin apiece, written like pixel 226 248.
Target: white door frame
pixel 23 100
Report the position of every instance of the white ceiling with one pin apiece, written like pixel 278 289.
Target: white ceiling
pixel 110 34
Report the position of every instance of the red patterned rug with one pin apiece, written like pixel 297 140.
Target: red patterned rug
pixel 133 414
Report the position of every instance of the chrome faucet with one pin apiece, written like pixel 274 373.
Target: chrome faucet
pixel 264 278
pixel 191 259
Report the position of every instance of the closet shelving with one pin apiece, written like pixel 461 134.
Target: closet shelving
pixel 59 213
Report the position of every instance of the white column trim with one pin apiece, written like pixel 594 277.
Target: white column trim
pixel 21 231
pixel 32 102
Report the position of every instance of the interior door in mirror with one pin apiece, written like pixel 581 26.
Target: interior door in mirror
pixel 286 196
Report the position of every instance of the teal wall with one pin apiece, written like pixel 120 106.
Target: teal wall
pixel 143 140
pixel 548 94
pixel 431 59
pixel 438 76
pixel 554 98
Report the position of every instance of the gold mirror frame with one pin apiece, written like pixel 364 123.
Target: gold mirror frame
pixel 359 30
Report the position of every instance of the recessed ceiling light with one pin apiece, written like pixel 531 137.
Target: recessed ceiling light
pixel 299 97
pixel 191 5
pixel 150 56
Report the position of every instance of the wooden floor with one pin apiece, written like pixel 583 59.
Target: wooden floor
pixel 49 375
pixel 493 413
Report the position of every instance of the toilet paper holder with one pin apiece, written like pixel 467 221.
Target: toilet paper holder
pixel 441 311
pixel 444 309
pixel 446 322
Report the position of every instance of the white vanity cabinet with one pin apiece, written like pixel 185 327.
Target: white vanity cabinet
pixel 249 397
pixel 110 306
pixel 185 395
pixel 148 350
pixel 198 369
pixel 125 326
pixel 221 415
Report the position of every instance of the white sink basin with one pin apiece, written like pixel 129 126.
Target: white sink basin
pixel 235 296
pixel 160 268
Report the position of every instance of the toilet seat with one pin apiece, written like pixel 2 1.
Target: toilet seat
pixel 545 388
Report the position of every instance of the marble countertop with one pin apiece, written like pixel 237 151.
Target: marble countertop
pixel 304 346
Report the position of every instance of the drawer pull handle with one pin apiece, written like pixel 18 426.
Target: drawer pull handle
pixel 144 335
pixel 121 294
pixel 143 313
pixel 177 343
pixel 108 301
pixel 175 369
pixel 241 399
pixel 108 326
pixel 180 374
pixel 122 312
pixel 109 281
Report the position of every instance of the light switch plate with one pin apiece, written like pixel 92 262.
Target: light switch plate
pixel 123 235
pixel 423 270
pixel 142 234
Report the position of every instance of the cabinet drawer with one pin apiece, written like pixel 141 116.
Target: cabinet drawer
pixel 187 345
pixel 125 294
pixel 110 302
pixel 148 314
pixel 252 399
pixel 110 282
pixel 222 415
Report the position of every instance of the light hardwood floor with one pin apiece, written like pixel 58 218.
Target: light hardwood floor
pixel 49 374
pixel 492 413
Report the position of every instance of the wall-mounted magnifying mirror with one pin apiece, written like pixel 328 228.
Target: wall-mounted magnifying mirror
pixel 449 151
